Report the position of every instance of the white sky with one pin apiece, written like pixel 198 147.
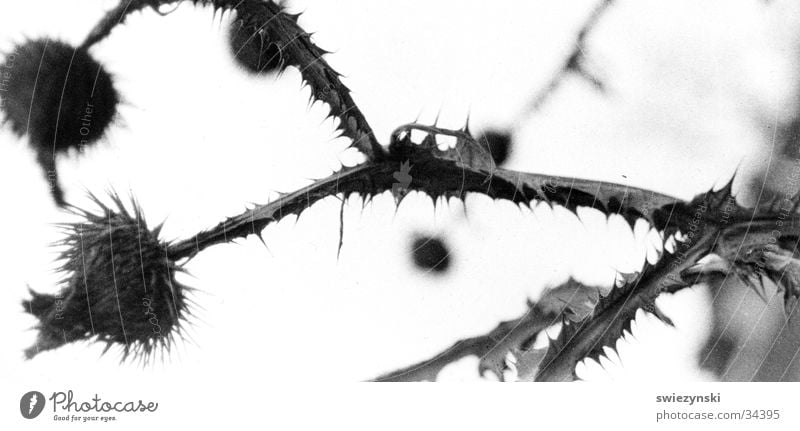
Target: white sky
pixel 691 88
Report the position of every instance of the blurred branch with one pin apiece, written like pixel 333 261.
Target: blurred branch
pixel 574 63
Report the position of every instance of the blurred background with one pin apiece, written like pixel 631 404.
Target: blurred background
pixel 692 91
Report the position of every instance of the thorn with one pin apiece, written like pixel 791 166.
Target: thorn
pixel 418 115
pixel 761 290
pixel 727 189
pixel 341 230
pixel 661 316
pixel 713 264
pixel 624 278
pixel 465 129
pixel 261 238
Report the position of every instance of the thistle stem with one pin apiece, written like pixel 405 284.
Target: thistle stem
pixel 253 221
pixel 296 48
pixel 437 178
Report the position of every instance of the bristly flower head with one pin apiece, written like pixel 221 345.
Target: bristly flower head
pixel 119 287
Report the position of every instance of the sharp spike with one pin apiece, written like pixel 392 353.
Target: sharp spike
pixel 419 114
pixel 796 200
pixel 661 316
pixel 341 230
pixel 465 129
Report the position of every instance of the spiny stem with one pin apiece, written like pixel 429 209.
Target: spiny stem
pixel 296 49
pixel 113 18
pixel 437 178
pixel 613 315
pixel 253 221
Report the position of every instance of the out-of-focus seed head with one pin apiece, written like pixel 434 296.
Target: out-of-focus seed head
pixel 430 254
pixel 57 95
pixel 252 50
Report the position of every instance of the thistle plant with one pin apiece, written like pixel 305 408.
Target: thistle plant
pixel 102 298
pixel 119 283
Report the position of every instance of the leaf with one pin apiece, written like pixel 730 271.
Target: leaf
pixel 614 313
pixel 572 299
pixel 513 338
pixel 467 152
pixel 761 265
pixel 528 362
pixel 492 348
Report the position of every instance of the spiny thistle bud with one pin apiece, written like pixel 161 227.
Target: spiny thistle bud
pixel 120 287
pixel 430 253
pixel 59 96
pixel 252 49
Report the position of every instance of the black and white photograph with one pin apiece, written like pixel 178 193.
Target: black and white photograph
pixel 286 214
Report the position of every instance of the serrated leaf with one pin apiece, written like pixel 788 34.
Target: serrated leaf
pixel 492 349
pixel 614 313
pixel 573 299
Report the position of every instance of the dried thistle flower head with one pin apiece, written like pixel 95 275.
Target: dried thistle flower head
pixel 119 287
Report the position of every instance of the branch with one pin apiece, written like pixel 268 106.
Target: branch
pixel 296 49
pixel 439 178
pixel 574 63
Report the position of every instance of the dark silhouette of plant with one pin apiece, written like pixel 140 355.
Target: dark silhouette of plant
pixel 756 245
pixel 141 309
pixel 59 96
